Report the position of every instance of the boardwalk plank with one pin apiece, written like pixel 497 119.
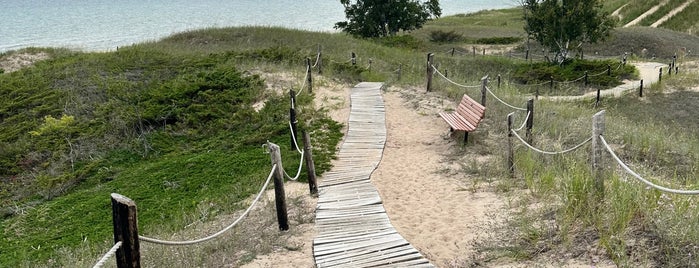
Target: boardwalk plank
pixel 353 228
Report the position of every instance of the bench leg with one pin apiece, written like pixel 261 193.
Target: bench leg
pixel 465 137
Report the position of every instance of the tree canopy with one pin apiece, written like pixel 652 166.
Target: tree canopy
pixel 563 25
pixel 378 18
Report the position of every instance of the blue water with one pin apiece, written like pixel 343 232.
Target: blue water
pixel 96 25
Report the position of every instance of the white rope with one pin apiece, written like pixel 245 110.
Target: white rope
pixel 108 255
pixel 503 102
pixel 529 113
pixel 573 81
pixel 457 84
pixel 628 170
pixel 298 173
pixel 551 153
pixel 191 242
pixel 317 60
pixel 305 78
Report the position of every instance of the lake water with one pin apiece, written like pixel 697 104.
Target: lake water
pixel 97 25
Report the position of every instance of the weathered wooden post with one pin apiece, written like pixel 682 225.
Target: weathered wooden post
pixel 484 89
pixel 510 149
pixel 125 221
pixel 536 93
pixel 452 51
pixel 609 70
pixel 677 70
pixel 587 79
pixel 530 121
pixel 400 71
pixel 370 61
pixel 474 50
pixel 354 58
pixel 640 89
pixel 597 152
pixel 279 194
pixel 446 73
pixel 597 100
pixel 483 51
pixel 526 55
pixel 660 75
pixel 292 120
pixel 669 69
pixel 320 59
pixel 623 60
pixel 430 71
pixel 310 165
pixel 551 84
pixel 499 81
pixel 309 79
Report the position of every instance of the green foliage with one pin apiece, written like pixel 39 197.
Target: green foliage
pixel 445 37
pixel 498 40
pixel 566 25
pixel 379 18
pixel 401 41
pixel 542 72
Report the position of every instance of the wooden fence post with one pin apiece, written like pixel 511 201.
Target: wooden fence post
pixel 669 70
pixel 446 73
pixel 430 71
pixel 510 149
pixel 597 100
pixel 125 221
pixel 677 70
pixel 279 194
pixel 309 79
pixel 354 58
pixel 370 61
pixel 609 70
pixel 400 71
pixel 587 79
pixel 452 51
pixel 530 121
pixel 551 84
pixel 484 88
pixel 640 89
pixel 320 59
pixel 597 152
pixel 660 75
pixel 474 50
pixel 526 55
pixel 293 121
pixel 310 165
pixel 499 80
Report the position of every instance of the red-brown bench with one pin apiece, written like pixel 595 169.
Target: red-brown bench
pixel 467 116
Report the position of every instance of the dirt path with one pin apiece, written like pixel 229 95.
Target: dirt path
pixel 646 14
pixel 672 13
pixel 648 72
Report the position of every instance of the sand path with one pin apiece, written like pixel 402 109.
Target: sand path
pixel 672 13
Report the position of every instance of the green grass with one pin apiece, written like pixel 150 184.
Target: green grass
pixel 662 11
pixel 634 9
pixel 685 21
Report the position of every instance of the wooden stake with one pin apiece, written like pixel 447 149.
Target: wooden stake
pixel 430 71
pixel 354 58
pixel 452 51
pixel 510 149
pixel 609 70
pixel 310 165
pixel 598 152
pixel 530 120
pixel 309 79
pixel 660 75
pixel 598 98
pixel 640 89
pixel 484 86
pixel 279 194
pixel 320 60
pixel 125 221
pixel 499 80
pixel 587 81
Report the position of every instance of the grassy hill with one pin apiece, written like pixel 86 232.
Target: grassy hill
pixel 171 124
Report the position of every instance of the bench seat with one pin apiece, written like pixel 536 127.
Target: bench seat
pixel 466 117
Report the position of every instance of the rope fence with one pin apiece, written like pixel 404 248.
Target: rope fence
pixel 503 102
pixel 550 152
pixel 450 81
pixel 219 233
pixel 108 255
pixel 641 179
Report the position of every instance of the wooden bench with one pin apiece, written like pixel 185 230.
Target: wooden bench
pixel 467 116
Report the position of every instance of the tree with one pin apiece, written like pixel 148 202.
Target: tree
pixel 379 18
pixel 562 25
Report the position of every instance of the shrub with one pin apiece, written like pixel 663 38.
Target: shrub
pixel 439 36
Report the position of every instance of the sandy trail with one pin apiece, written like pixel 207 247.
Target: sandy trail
pixel 648 72
pixel 672 13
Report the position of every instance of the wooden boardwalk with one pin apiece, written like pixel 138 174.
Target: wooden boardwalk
pixel 353 228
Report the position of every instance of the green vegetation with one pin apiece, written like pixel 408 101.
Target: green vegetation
pixel 370 19
pixel 662 11
pixel 171 125
pixel 685 21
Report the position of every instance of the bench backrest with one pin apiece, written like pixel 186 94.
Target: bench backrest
pixel 470 110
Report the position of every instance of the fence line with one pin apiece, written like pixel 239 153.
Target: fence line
pixel 305 78
pixel 503 102
pixel 108 255
pixel 456 84
pixel 219 233
pixel 638 177
pixel 547 152
pixel 529 113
